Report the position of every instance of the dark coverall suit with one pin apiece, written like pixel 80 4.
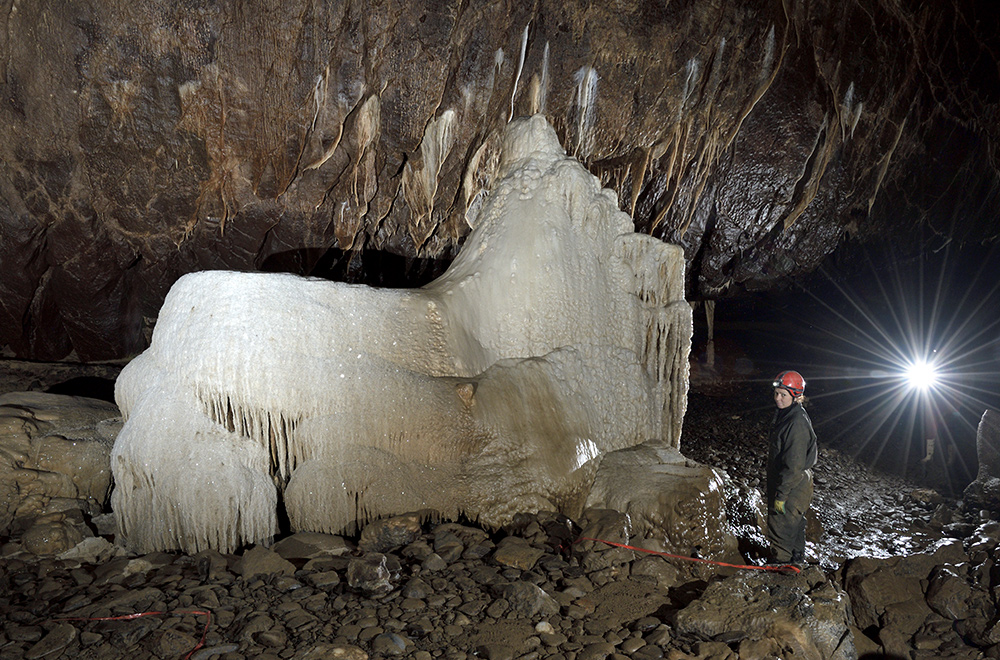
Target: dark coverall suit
pixel 790 459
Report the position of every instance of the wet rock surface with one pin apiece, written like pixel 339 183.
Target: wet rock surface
pixel 758 614
pixel 350 139
pixel 918 569
pixel 54 466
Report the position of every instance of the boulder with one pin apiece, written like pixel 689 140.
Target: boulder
pixel 801 615
pixel 374 573
pixel 517 553
pixel 948 594
pixel 54 466
pixel 875 584
pixel 263 561
pixel 391 533
pixel 311 545
pixel 746 516
pixel 985 490
pixel 674 501
pixel 899 623
pixel 900 601
pixel 528 600
pixel 623 602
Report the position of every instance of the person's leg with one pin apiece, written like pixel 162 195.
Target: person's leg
pixel 800 505
pixel 781 530
pixel 799 544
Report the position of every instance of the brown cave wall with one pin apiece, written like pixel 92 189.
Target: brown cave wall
pixel 141 141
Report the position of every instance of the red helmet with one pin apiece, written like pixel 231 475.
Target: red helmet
pixel 791 381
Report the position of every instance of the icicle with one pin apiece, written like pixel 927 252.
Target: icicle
pixel 847 121
pixel 520 65
pixel 768 62
pixel 543 87
pixel 857 116
pixel 693 73
pixel 319 95
pixel 586 100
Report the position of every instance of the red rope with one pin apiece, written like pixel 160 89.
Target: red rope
pixel 136 615
pixel 787 569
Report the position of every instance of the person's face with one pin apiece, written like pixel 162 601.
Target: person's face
pixel 782 398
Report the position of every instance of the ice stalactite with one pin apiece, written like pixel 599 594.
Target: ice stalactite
pixel 273 430
pixel 586 110
pixel 520 66
pixel 541 98
pixel 692 75
pixel 557 335
pixel 768 62
pixel 850 113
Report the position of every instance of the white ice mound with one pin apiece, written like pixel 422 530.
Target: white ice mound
pixel 557 335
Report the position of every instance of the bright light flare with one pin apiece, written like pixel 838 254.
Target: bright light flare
pixel 921 375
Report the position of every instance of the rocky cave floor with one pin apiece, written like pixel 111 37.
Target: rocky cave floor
pixel 410 587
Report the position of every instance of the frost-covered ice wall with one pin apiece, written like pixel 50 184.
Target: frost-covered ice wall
pixel 557 335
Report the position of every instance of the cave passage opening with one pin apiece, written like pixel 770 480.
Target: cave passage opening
pixel 375 268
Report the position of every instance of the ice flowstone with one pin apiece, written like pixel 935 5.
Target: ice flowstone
pixel 556 336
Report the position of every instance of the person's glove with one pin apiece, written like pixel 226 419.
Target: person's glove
pixel 779 506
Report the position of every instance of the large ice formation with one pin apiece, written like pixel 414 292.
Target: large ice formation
pixel 556 336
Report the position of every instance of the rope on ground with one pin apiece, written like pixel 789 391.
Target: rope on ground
pixel 787 569
pixel 136 615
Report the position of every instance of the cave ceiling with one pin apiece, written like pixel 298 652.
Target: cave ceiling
pixel 353 139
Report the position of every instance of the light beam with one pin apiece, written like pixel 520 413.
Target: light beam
pixel 921 375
